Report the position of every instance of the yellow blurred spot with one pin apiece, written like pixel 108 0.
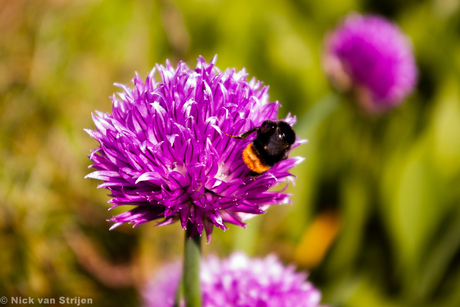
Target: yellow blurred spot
pixel 317 239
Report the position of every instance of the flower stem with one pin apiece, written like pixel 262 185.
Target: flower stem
pixel 191 271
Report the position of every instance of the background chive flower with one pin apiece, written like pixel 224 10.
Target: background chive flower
pixel 371 56
pixel 163 150
pixel 237 282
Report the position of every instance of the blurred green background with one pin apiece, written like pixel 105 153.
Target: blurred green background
pixel 390 184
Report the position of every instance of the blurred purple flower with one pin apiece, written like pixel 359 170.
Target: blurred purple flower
pixel 161 289
pixel 371 56
pixel 238 282
pixel 162 149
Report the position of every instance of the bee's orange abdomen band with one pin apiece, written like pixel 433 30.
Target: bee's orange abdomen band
pixel 253 161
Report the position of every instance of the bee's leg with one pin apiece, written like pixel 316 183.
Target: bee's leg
pixel 286 155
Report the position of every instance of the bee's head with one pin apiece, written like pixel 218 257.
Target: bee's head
pixel 286 130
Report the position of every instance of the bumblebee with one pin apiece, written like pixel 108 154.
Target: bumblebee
pixel 272 144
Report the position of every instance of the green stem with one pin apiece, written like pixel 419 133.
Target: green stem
pixel 191 271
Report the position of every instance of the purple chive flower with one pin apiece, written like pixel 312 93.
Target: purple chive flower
pixel 163 150
pixel 237 282
pixel 373 57
pixel 161 289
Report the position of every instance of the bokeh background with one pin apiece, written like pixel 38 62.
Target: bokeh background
pixel 376 206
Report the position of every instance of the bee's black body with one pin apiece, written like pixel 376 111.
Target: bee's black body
pixel 272 144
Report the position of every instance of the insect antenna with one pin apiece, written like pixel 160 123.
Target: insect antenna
pixel 243 135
